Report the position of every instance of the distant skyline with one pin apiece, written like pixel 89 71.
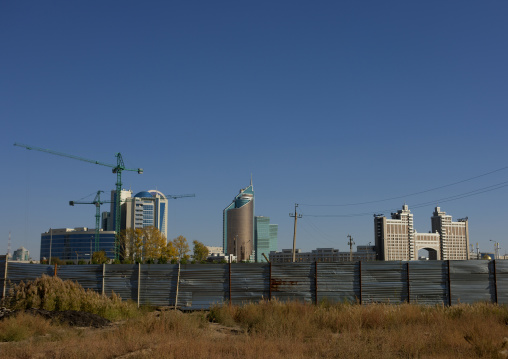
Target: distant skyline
pixel 348 109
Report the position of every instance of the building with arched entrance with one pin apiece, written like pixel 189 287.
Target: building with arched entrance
pixel 396 238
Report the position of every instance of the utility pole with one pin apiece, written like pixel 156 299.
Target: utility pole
pixel 295 216
pixel 351 242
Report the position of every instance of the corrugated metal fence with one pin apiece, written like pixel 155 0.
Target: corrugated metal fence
pixel 199 286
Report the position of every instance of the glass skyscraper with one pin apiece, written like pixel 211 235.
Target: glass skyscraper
pixel 265 237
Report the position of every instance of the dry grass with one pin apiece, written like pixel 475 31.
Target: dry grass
pixel 287 330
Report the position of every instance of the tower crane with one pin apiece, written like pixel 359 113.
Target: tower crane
pixel 97 202
pixel 118 169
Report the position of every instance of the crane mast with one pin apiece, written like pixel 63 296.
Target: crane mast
pixel 118 169
pixel 97 202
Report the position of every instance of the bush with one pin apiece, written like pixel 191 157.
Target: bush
pixel 52 293
pixel 23 326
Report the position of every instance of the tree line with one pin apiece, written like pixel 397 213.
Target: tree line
pixel 148 245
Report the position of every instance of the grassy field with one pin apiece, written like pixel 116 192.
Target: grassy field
pixel 272 330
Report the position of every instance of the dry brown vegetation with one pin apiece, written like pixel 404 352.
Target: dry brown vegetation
pixel 278 330
pixel 262 330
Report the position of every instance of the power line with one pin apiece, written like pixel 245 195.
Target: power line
pixel 407 195
pixel 423 204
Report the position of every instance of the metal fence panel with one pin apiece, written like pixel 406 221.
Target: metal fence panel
pixel 17 272
pixel 158 284
pixel 384 282
pixel 428 282
pixel 249 282
pixel 338 282
pixel 122 279
pixel 469 281
pixel 88 276
pixel 502 280
pixel 203 285
pixel 293 281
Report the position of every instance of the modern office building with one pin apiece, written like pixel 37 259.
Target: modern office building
pixel 326 255
pixel 75 244
pixel 238 225
pixel 265 237
pixel 111 218
pixel 396 238
pixel 147 208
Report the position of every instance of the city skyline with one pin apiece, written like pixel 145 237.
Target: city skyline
pixel 348 109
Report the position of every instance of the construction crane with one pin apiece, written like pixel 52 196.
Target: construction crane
pixel 118 169
pixel 97 202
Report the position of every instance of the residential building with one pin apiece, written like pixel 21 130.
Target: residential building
pixel 75 244
pixel 238 225
pixel 396 238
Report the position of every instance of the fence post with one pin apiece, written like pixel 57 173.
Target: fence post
pixel 5 276
pixel 103 278
pixel 408 291
pixel 495 280
pixel 139 281
pixel 270 282
pixel 56 265
pixel 229 286
pixel 449 285
pixel 315 282
pixel 177 286
pixel 360 278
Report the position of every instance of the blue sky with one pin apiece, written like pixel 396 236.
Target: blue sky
pixel 324 103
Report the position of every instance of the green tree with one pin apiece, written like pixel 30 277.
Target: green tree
pixel 200 252
pixel 182 248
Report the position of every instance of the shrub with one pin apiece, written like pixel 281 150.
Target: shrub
pixel 52 293
pixel 22 326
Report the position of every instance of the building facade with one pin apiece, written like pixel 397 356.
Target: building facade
pixel 396 238
pixel 75 244
pixel 146 208
pixel 265 237
pixel 21 255
pixel 363 253
pixel 238 225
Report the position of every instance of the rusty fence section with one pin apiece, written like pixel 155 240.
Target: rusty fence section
pixel 200 286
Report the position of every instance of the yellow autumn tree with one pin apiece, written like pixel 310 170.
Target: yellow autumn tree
pixel 182 248
pixel 200 252
pixel 154 244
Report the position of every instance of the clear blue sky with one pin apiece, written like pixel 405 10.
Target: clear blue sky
pixel 328 102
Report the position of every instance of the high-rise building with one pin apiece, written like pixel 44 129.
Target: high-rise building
pixel 238 225
pixel 111 218
pixel 396 238
pixel 454 235
pixel 265 237
pixel 147 208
